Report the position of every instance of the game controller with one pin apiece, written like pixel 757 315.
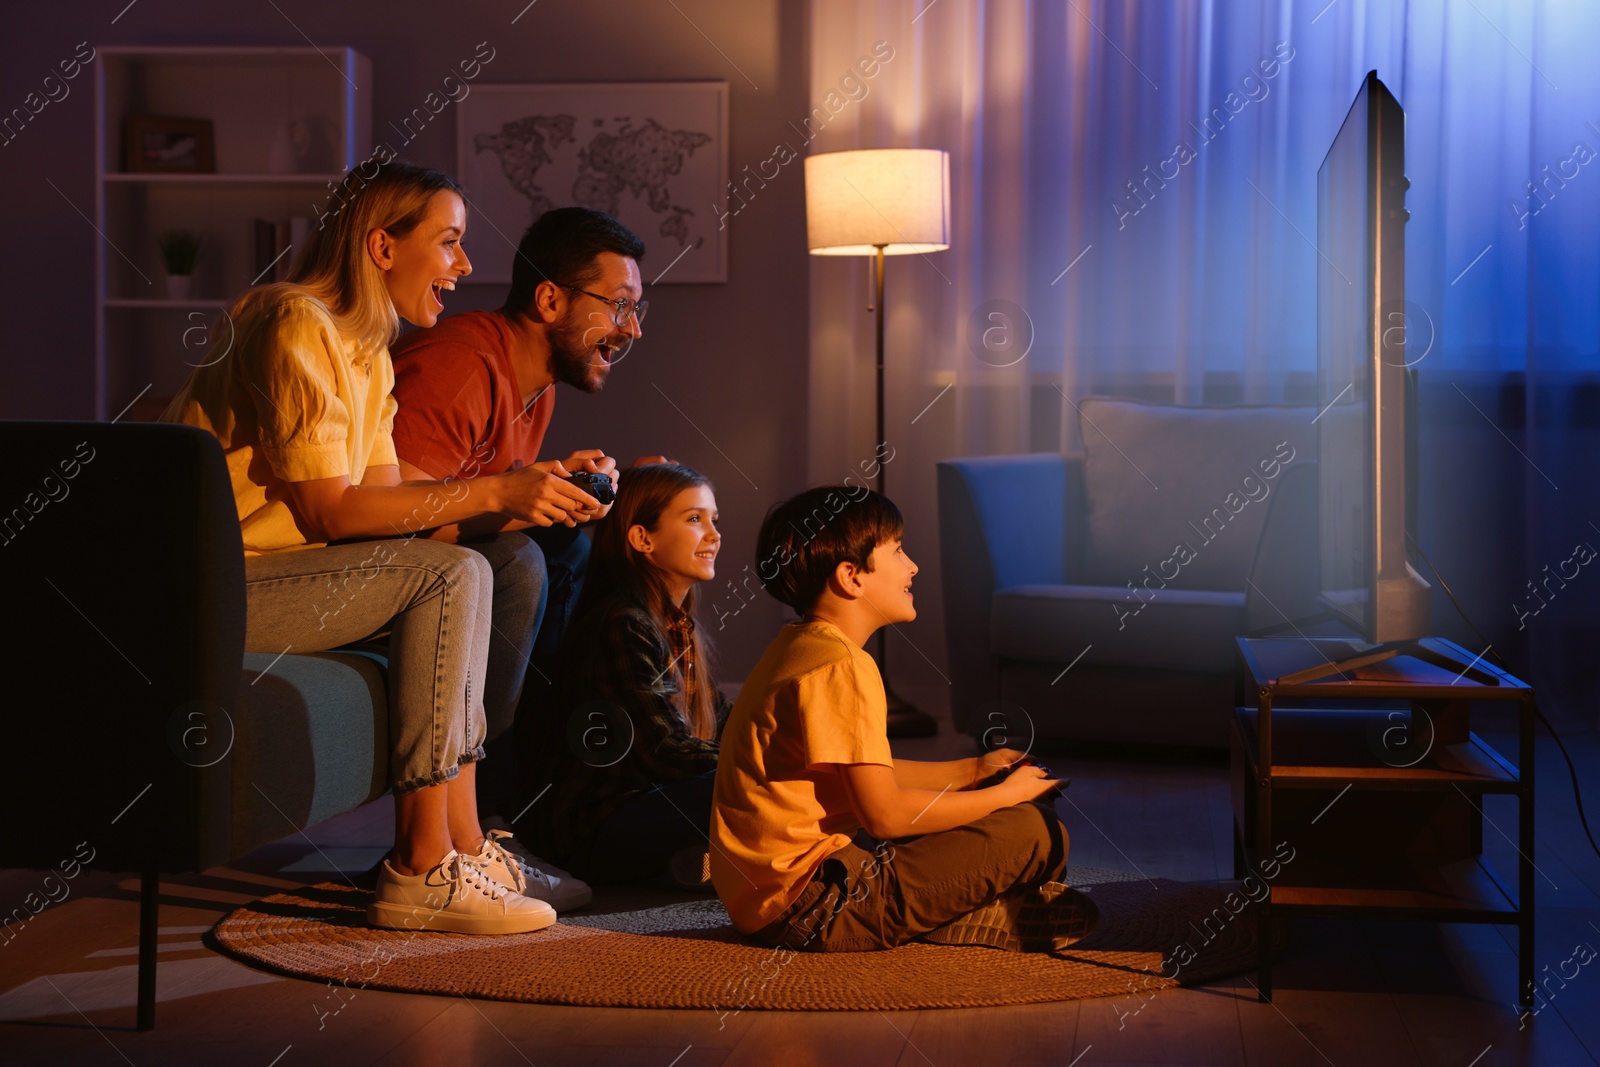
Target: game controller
pixel 596 485
pixel 1027 761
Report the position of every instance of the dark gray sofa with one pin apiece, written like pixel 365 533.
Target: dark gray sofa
pixel 138 728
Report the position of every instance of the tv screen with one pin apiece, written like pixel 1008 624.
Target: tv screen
pixel 1365 432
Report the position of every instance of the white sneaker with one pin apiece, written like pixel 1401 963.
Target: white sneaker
pixel 455 896
pixel 561 891
pixel 518 846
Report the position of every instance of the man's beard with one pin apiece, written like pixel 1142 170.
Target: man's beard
pixel 572 354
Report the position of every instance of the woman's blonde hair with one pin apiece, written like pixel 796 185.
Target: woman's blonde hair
pixel 335 269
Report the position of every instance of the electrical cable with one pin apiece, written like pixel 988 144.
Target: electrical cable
pixel 1489 648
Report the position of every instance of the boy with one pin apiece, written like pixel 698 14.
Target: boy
pixel 805 764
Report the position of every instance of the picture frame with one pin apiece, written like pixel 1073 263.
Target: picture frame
pixel 652 154
pixel 157 145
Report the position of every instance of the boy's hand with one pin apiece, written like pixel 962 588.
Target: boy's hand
pixel 1001 759
pixel 1027 782
pixel 992 767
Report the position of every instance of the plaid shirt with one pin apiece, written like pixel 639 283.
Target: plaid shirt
pixel 680 639
pixel 616 731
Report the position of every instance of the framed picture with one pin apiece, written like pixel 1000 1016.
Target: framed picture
pixel 170 146
pixel 652 154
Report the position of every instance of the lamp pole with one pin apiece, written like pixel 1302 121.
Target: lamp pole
pixel 877 306
pixel 877 444
pixel 866 201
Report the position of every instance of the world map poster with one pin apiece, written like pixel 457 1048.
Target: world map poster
pixel 652 154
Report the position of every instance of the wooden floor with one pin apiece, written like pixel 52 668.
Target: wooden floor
pixel 1359 994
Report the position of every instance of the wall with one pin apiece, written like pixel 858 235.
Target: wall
pixel 731 357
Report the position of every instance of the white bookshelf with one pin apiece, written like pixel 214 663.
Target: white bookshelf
pixel 143 340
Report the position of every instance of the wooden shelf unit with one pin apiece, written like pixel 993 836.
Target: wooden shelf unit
pixel 1376 780
pixel 146 344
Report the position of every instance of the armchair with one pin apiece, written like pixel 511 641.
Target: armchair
pixel 1097 596
pixel 143 737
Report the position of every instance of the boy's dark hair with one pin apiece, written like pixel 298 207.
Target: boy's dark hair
pixel 561 247
pixel 803 539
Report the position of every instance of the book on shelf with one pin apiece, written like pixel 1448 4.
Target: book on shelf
pixel 278 242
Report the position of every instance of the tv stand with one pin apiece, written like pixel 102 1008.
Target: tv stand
pixel 1358 787
pixel 1357 655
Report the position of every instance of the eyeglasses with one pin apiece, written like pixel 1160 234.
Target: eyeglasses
pixel 621 310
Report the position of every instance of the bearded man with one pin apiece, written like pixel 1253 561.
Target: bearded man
pixel 476 395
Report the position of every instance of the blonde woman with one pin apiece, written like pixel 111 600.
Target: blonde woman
pixel 301 405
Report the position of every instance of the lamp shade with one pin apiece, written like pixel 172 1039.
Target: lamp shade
pixel 895 197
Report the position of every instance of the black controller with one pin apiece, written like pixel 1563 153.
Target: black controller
pixel 596 485
pixel 1003 773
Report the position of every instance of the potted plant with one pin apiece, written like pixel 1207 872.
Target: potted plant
pixel 179 250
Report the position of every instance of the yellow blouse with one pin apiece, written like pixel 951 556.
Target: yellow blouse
pixel 292 401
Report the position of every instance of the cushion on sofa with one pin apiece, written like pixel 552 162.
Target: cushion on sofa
pixel 1170 629
pixel 1182 491
pixel 311 741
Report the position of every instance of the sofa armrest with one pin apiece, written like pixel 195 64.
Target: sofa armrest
pixel 125 573
pixel 1001 522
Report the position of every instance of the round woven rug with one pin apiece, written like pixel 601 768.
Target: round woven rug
pixel 1153 934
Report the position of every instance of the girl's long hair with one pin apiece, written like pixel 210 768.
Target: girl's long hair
pixel 617 572
pixel 334 267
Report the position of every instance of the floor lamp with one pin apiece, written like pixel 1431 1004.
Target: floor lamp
pixel 880 202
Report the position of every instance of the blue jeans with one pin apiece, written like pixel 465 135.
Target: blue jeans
pixel 566 560
pixel 520 590
pixel 537 576
pixel 434 600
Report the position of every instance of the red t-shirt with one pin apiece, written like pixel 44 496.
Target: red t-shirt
pixel 460 413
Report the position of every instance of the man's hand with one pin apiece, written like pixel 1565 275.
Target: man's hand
pixel 541 494
pixel 596 462
pixel 591 459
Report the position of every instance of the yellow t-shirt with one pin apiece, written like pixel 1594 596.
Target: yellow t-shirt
pixel 780 808
pixel 292 401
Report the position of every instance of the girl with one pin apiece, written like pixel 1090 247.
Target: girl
pixel 632 766
pixel 301 406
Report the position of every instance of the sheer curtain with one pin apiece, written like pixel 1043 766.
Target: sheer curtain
pixel 1134 211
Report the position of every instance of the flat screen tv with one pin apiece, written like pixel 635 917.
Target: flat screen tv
pixel 1366 450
